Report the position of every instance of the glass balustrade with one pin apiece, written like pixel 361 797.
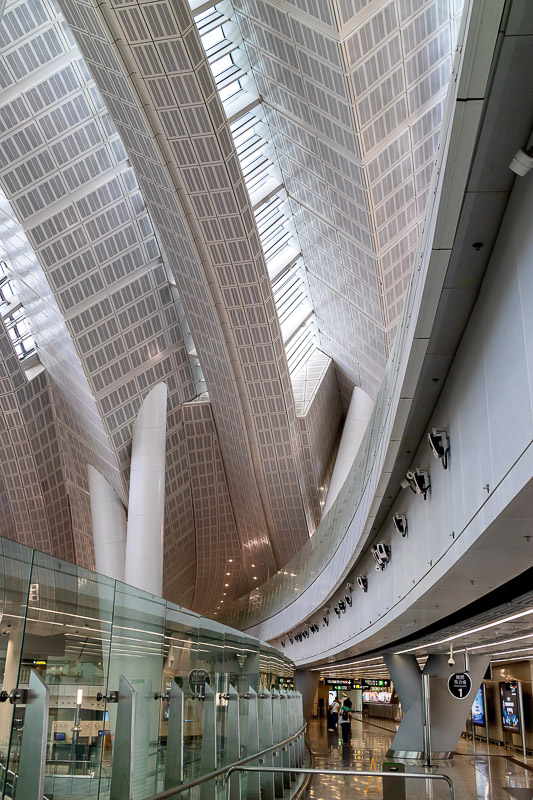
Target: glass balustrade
pixel 124 685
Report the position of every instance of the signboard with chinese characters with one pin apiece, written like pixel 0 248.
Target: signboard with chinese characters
pixel 198 679
pixel 459 684
pixel 348 684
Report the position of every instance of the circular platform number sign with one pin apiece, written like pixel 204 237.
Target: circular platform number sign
pixel 198 679
pixel 459 684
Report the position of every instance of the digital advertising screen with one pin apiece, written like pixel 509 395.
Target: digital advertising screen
pixel 478 709
pixel 509 706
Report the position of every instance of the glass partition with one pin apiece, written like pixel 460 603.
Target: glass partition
pixel 135 684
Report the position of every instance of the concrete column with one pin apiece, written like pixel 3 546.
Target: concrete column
pixel 109 527
pixel 448 714
pixel 306 682
pixel 355 425
pixel 144 543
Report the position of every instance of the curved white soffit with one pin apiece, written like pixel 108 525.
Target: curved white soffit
pixel 475 51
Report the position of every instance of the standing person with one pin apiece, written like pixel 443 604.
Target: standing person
pixel 335 707
pixel 346 721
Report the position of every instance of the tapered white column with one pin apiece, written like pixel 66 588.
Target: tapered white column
pixel 359 413
pixel 109 527
pixel 144 543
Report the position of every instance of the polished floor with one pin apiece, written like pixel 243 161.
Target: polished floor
pixel 476 775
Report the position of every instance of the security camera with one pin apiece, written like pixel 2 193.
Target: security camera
pixel 400 523
pixel 342 606
pixel 337 611
pixel 348 598
pixel 282 642
pixel 451 660
pixel 381 553
pixel 522 162
pixel 291 639
pixel 418 481
pixel 349 586
pixel 325 619
pixel 362 582
pixel 440 445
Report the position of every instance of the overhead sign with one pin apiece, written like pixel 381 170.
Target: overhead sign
pixel 509 706
pixel 459 684
pixel 198 679
pixel 363 683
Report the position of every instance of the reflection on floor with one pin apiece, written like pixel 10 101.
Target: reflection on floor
pixel 476 775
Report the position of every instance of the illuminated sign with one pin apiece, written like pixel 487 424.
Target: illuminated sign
pixel 363 683
pixel 478 709
pixel 509 706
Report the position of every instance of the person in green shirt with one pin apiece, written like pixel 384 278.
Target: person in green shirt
pixel 345 720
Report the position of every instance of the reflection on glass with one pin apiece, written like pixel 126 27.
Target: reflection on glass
pixel 81 633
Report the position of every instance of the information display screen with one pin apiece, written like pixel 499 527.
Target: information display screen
pixel 366 684
pixel 478 709
pixel 509 706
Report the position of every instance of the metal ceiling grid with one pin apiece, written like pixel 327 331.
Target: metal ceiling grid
pixel 96 245
pixel 353 95
pixel 162 47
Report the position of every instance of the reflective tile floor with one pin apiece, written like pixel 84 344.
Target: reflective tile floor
pixel 475 775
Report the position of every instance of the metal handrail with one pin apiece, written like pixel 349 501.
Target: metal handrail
pixel 183 787
pixel 354 773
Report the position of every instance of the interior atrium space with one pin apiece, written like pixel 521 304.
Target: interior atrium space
pixel 266 405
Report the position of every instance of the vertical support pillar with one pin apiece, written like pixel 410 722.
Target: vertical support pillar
pixel 122 769
pixel 253 780
pixel 486 714
pixel 426 704
pixel 30 782
pixel 277 737
pixel 109 526
pixel 174 759
pixel 144 543
pixel 355 425
pixel 265 741
pixel 522 720
pixel 234 740
pixel 209 742
pixel 306 682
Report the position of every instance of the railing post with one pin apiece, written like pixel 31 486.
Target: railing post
pixel 299 721
pixel 285 735
pixel 122 769
pixel 174 755
pixel 234 739
pixel 253 783
pixel 266 741
pixel 277 737
pixel 209 742
pixel 30 782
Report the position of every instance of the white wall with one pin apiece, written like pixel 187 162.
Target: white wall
pixel 487 405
